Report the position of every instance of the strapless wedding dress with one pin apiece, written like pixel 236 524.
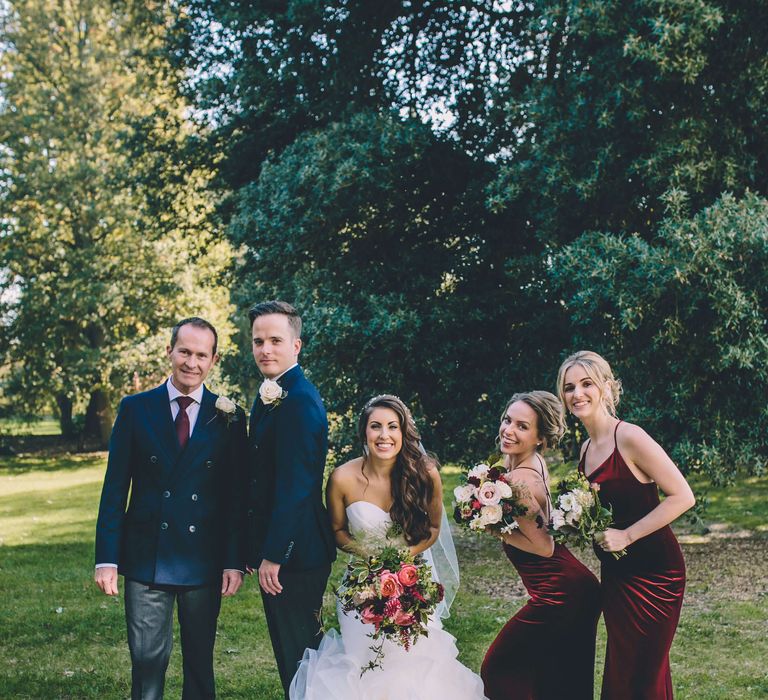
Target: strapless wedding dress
pixel 428 671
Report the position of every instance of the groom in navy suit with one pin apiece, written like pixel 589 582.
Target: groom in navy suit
pixel 290 541
pixel 180 452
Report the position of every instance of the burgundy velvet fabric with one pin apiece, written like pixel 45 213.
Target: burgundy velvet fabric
pixel 642 591
pixel 547 650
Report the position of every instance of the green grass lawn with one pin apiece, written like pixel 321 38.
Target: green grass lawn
pixel 61 638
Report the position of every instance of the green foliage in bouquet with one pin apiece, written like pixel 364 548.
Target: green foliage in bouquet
pixel 392 590
pixel 578 515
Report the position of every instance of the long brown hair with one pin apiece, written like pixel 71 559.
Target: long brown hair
pixel 412 487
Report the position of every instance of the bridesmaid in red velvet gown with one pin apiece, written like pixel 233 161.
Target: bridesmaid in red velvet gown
pixel 643 590
pixel 547 650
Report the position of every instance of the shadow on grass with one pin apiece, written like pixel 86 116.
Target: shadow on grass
pixel 43 462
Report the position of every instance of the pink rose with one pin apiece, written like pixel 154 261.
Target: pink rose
pixel 488 494
pixel 390 586
pixel 368 615
pixel 408 575
pixel 403 619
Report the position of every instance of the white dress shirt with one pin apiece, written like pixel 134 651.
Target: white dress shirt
pixel 192 410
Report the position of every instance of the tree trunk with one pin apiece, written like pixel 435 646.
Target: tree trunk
pixel 99 418
pixel 64 404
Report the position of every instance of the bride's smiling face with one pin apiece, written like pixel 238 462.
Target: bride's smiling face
pixel 383 433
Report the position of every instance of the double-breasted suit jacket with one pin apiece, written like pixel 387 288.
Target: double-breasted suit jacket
pixel 288 441
pixel 184 520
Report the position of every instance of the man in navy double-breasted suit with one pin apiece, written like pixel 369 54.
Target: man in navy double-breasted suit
pixel 290 540
pixel 180 453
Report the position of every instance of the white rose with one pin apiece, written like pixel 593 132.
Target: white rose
pixel 270 391
pixel 477 523
pixel 479 471
pixel 225 405
pixel 463 493
pixel 504 489
pixel 558 518
pixel 488 494
pixel 491 514
pixel 584 498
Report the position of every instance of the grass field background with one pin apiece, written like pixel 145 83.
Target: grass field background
pixel 61 638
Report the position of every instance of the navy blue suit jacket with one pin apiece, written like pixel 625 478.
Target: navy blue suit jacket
pixel 183 523
pixel 287 521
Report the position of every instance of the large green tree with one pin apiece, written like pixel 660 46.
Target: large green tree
pixel 543 120
pixel 684 320
pixel 105 236
pixel 375 230
pixel 650 107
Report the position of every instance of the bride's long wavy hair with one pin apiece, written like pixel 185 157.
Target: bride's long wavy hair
pixel 412 487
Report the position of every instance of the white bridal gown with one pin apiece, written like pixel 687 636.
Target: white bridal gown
pixel 428 671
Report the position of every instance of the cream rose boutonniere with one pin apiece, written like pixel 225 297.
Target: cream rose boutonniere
pixel 271 393
pixel 226 408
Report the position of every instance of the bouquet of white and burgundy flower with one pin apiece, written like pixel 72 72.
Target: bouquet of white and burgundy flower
pixel 394 591
pixel 487 501
pixel 578 514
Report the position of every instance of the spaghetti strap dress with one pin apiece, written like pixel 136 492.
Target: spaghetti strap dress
pixel 547 650
pixel 642 591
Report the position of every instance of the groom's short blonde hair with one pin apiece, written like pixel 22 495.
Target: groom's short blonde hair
pixel 265 308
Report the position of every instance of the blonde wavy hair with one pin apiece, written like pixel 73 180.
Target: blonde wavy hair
pixel 599 371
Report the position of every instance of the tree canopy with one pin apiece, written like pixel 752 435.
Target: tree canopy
pixel 455 195
pixel 103 212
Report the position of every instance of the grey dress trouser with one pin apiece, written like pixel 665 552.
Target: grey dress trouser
pixel 149 616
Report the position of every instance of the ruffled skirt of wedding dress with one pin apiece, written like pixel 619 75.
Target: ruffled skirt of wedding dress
pixel 428 671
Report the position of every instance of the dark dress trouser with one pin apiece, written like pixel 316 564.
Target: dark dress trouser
pixel 293 618
pixel 149 615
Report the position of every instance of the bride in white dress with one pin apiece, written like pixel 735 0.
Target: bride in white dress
pixel 393 482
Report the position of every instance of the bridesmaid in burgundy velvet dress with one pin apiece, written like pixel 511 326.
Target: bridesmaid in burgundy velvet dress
pixel 643 590
pixel 547 650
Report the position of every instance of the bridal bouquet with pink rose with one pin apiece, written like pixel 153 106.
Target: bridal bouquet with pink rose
pixel 394 591
pixel 488 501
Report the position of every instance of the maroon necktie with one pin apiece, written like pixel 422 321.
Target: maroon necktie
pixel 182 420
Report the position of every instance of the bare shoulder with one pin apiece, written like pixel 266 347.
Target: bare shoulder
pixel 527 473
pixel 632 437
pixel 345 475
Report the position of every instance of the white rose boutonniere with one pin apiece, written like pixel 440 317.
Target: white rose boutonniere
pixel 226 408
pixel 271 393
